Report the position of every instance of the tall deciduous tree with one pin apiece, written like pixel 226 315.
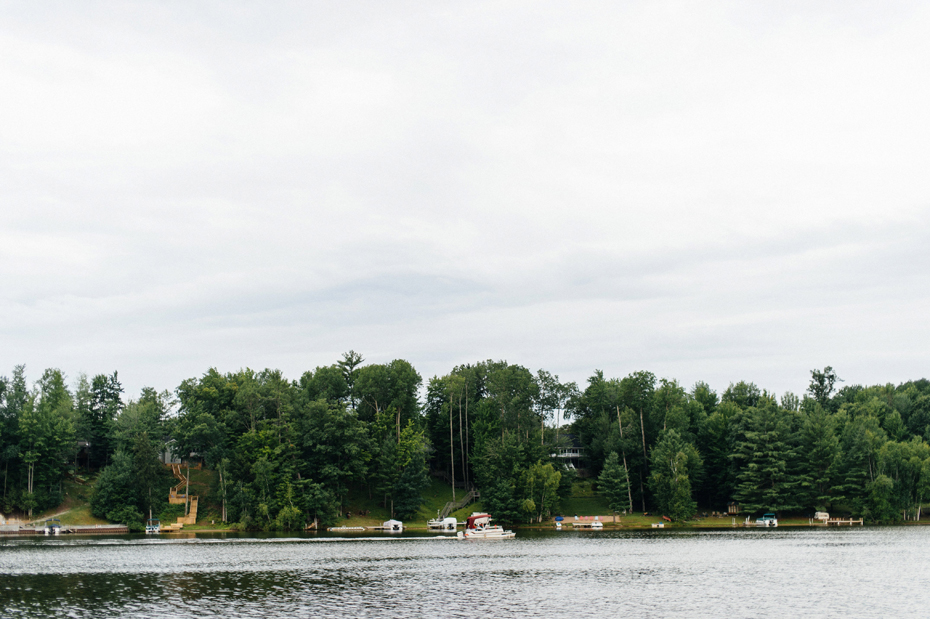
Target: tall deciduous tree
pixel 675 463
pixel 822 385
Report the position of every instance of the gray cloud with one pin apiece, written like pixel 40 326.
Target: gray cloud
pixel 720 192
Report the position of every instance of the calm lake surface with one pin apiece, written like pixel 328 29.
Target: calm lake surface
pixel 858 572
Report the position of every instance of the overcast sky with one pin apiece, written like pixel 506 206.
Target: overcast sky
pixel 709 191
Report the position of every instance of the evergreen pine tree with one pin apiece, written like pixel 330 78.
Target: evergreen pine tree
pixel 821 450
pixel 614 483
pixel 766 459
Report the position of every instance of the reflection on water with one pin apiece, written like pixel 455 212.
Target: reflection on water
pixel 828 573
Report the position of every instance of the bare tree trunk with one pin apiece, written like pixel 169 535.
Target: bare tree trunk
pixel 223 488
pixel 29 485
pixel 642 427
pixel 187 488
pixel 462 444
pixel 465 472
pixel 451 449
pixel 626 471
pixel 277 400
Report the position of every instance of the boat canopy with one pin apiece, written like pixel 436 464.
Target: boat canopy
pixel 477 519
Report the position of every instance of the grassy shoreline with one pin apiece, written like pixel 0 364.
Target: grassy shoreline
pixel 364 510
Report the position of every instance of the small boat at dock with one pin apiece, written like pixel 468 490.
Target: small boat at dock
pixel 390 526
pixel 767 520
pixel 153 526
pixel 446 524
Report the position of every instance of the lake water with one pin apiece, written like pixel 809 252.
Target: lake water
pixel 857 572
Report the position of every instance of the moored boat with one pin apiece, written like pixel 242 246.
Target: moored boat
pixel 153 525
pixel 478 526
pixel 767 520
pixel 446 524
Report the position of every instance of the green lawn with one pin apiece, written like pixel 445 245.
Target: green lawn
pixel 585 506
pixel 80 515
pixel 76 505
pixel 435 496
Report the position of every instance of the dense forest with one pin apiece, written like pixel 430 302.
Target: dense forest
pixel 289 452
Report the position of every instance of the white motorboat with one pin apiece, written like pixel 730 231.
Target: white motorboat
pixel 53 526
pixel 489 532
pixel 153 526
pixel 478 526
pixel 767 520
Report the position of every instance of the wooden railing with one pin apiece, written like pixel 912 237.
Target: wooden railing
pixel 178 496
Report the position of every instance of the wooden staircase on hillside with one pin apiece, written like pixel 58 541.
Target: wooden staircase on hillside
pixel 178 496
pixel 451 507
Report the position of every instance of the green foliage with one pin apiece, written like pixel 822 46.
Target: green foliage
pixel 822 385
pixel 105 404
pixel 820 451
pixel 115 488
pixel 541 483
pixel 406 492
pixel 878 506
pixel 516 484
pixel 614 483
pixel 286 453
pixel 765 454
pixel 675 462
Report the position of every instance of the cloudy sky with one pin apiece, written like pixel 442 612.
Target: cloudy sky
pixel 718 191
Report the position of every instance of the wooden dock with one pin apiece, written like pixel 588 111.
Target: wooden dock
pixel 838 522
pixel 75 529
pixel 586 525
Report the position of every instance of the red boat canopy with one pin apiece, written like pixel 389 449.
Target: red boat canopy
pixel 477 520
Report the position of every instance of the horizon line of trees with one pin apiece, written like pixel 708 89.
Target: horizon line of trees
pixel 290 452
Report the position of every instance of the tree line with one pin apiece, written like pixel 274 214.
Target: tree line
pixel 290 452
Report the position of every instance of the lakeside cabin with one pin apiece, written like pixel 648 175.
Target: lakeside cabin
pixel 572 453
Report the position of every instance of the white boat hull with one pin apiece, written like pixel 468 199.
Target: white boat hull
pixel 766 523
pixel 486 533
